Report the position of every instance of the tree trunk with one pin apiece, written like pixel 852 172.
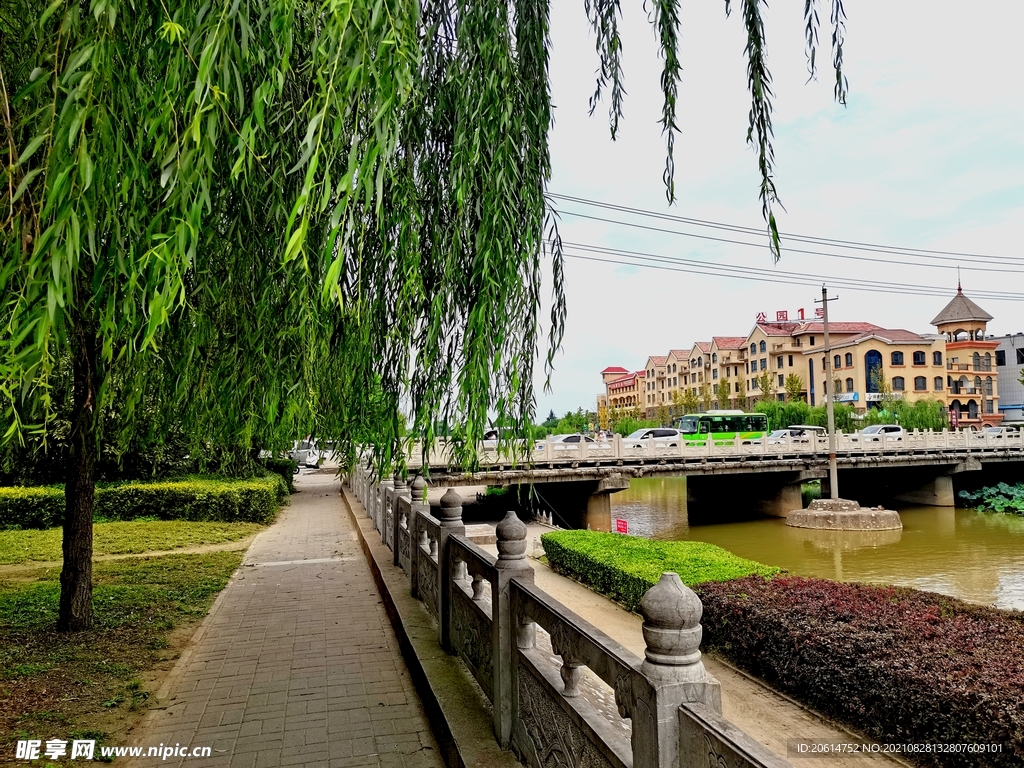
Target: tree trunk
pixel 75 611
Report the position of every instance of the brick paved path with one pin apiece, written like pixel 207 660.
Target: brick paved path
pixel 298 664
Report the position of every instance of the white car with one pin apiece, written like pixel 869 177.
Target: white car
pixel 569 442
pixel 653 435
pixel 999 432
pixel 797 433
pixel 882 432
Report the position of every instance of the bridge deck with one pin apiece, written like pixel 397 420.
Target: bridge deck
pixel 588 461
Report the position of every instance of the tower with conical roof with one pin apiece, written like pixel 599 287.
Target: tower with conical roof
pixel 971 377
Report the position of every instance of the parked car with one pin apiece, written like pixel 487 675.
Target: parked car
pixel 308 453
pixel 999 432
pixel 656 435
pixel 569 442
pixel 797 433
pixel 882 432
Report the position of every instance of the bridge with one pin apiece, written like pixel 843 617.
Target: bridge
pixel 764 475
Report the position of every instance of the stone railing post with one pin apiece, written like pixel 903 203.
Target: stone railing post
pixel 451 523
pixel 401 492
pixel 672 666
pixel 506 635
pixel 419 487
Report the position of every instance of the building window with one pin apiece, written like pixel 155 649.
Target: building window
pixel 988 385
pixel 849 385
pixel 790 361
pixel 920 383
pixel 977 361
pixel 764 363
pixel 714 357
pixel 753 383
pixel 736 372
pixel 747 367
pixel 714 388
pixel 700 362
pixel 714 374
pixel 988 361
pixel 737 386
pixel 780 361
pixel 919 358
pixel 1000 357
pixel 977 385
pixel 897 358
pixel 753 349
pixel 897 384
pixel 837 362
pixel 764 346
pixel 936 358
pixel 1020 356
pixel 989 407
pixel 812 341
pixel 782 380
pixel 824 360
pixel 849 359
pixel 938 383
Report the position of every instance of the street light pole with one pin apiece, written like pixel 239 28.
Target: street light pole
pixel 833 474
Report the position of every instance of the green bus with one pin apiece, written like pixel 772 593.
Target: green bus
pixel 722 426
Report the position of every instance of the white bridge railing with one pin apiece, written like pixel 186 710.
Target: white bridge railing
pixel 620 449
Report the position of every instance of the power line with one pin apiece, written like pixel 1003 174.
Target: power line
pixel 623 257
pixel 789 250
pixel 850 244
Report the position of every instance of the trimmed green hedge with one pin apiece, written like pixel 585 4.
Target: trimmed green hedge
pixel 625 567
pixel 253 500
pixel 286 468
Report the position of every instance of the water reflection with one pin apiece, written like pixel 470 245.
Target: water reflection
pixel 974 556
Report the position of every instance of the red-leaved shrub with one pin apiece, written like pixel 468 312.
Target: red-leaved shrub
pixel 902 665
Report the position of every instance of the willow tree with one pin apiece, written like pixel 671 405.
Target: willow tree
pixel 281 216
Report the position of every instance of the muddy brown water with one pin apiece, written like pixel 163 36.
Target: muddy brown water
pixel 975 556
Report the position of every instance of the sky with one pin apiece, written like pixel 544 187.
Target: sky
pixel 928 153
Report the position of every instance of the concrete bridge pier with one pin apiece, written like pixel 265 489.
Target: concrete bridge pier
pixel 578 503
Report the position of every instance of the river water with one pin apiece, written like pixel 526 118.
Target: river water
pixel 975 556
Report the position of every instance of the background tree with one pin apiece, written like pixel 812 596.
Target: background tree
pixel 741 394
pixel 661 415
pixel 794 388
pixel 707 397
pixel 765 386
pixel 689 401
pixel 722 395
pixel 284 218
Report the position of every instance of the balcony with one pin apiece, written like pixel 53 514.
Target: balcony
pixel 970 367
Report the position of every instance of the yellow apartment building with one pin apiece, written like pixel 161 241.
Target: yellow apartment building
pixel 728 361
pixel 907 364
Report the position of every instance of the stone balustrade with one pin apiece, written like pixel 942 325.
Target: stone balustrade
pixel 489 613
pixel 618 449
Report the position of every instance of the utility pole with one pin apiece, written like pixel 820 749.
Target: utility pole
pixel 833 474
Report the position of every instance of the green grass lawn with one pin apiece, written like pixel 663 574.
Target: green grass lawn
pixel 121 538
pixel 89 684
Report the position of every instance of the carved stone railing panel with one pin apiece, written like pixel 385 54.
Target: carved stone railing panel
pixel 471 639
pixel 708 739
pixel 427 581
pixel 404 547
pixel 549 730
pixel 573 636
